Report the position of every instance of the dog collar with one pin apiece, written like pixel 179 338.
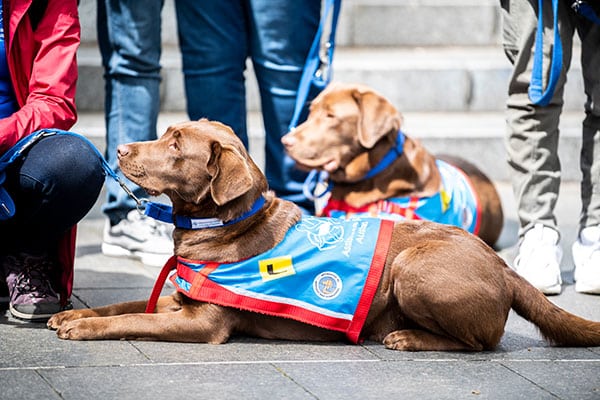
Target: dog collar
pixel 318 178
pixel 389 157
pixel 164 213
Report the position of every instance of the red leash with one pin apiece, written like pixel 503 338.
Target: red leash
pixel 170 265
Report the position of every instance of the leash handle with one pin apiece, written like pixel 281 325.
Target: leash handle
pixel 317 68
pixel 536 92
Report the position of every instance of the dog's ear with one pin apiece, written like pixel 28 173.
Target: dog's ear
pixel 377 117
pixel 231 175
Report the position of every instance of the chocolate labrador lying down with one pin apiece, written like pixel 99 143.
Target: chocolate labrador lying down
pixel 353 133
pixel 439 287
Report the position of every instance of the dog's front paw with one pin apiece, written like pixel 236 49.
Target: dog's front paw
pixel 57 320
pixel 399 340
pixel 77 329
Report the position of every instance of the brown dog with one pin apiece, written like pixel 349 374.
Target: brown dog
pixel 351 128
pixel 440 288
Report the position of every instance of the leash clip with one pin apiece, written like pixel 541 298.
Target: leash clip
pixel 316 185
pixel 140 204
pixel 324 70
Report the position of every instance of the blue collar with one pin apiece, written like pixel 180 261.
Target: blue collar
pixel 389 158
pixel 164 213
pixel 386 161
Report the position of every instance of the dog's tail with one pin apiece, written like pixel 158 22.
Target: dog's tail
pixel 556 325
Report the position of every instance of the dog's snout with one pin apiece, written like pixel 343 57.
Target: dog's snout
pixel 122 150
pixel 288 140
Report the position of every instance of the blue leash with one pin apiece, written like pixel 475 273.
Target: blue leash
pixel 537 94
pixel 7 206
pixel 161 212
pixel 317 71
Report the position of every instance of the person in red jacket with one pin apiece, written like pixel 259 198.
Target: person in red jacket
pixel 59 178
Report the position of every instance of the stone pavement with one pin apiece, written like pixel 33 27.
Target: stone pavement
pixel 35 364
pixel 410 60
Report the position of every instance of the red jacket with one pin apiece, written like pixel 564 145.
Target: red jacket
pixel 43 69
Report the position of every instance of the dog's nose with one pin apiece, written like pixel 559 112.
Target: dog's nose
pixel 288 140
pixel 122 150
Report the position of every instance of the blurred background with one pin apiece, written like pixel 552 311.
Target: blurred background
pixel 440 62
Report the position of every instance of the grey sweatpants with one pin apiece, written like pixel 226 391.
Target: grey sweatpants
pixel 532 138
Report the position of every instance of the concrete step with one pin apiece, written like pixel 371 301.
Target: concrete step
pixel 436 79
pixel 475 136
pixel 419 23
pixel 376 23
pixel 425 55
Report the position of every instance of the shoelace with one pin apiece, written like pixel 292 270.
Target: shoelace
pixel 159 228
pixel 594 248
pixel 35 281
pixel 530 251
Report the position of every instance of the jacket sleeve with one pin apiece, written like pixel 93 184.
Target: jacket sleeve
pixel 43 67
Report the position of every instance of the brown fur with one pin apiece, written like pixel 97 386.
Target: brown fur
pixel 441 289
pixel 349 129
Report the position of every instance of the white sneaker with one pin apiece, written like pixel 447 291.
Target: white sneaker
pixel 586 256
pixel 539 259
pixel 139 237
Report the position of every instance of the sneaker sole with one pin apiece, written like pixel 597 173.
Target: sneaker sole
pixel 589 289
pixel 551 290
pixel 29 317
pixel 150 259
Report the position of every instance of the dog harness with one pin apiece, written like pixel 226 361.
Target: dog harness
pixel 455 204
pixel 325 272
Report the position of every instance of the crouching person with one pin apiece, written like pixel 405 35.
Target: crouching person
pixel 55 181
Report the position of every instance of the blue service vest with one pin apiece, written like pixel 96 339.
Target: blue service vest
pixel 455 204
pixel 325 272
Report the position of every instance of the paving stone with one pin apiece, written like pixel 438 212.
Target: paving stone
pixel 233 381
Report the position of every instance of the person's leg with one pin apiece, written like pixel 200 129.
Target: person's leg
pixel 53 188
pixel 212 38
pixel 590 149
pixel 129 37
pixel 281 36
pixel 586 250
pixel 532 141
pixel 533 130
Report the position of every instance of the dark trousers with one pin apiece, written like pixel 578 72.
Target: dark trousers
pixel 53 187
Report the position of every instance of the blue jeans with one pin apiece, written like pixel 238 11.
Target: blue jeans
pixel 216 38
pixel 130 45
pixel 53 187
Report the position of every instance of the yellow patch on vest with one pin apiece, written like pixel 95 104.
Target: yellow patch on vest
pixel 275 268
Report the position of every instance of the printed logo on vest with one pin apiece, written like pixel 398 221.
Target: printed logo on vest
pixel 324 234
pixel 327 285
pixel 275 268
